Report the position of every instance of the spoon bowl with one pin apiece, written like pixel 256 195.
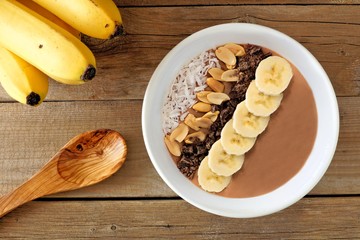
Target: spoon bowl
pixel 95 153
pixel 86 159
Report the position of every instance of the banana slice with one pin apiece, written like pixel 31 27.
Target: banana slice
pixel 234 143
pixel 210 181
pixel 261 104
pixel 221 163
pixel 273 75
pixel 247 124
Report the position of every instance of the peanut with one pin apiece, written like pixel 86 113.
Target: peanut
pixel 172 146
pixel 216 73
pixel 235 49
pixel 230 76
pixel 240 53
pixel 225 55
pixel 203 122
pixel 215 85
pixel 193 136
pixel 201 107
pixel 190 121
pixel 217 98
pixel 202 96
pixel 211 115
pixel 179 133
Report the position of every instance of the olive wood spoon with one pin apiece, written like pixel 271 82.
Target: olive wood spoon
pixel 85 160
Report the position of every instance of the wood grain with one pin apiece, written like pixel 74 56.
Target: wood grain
pixel 125 64
pixel 139 3
pixel 30 138
pixel 330 29
pixel 310 218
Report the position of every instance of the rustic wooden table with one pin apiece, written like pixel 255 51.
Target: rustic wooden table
pixel 135 202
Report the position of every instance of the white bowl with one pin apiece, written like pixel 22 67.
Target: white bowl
pixel 325 99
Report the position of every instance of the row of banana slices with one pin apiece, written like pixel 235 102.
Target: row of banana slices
pixel 251 117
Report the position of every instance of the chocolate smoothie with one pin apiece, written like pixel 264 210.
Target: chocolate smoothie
pixel 282 149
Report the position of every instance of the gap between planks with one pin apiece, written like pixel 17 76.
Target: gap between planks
pixel 200 3
pixel 50 199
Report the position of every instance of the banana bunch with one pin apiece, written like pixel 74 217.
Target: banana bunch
pixel 251 117
pixel 41 39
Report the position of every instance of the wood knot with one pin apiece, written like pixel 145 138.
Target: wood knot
pixel 342 52
pixel 79 147
pixel 113 227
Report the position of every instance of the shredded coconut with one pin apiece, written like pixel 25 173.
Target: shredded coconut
pixel 190 80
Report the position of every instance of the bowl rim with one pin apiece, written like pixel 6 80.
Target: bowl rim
pixel 259 206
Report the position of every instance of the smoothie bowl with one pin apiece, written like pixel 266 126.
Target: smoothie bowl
pixel 240 120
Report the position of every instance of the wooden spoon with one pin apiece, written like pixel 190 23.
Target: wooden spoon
pixel 85 160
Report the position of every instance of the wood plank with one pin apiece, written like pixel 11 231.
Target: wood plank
pixel 125 64
pixel 30 138
pixel 126 3
pixel 346 160
pixel 310 218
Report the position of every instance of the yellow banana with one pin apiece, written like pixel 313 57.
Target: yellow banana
pixel 46 14
pixel 95 18
pixel 45 45
pixel 22 81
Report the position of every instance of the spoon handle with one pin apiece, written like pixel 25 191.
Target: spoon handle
pixel 44 182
